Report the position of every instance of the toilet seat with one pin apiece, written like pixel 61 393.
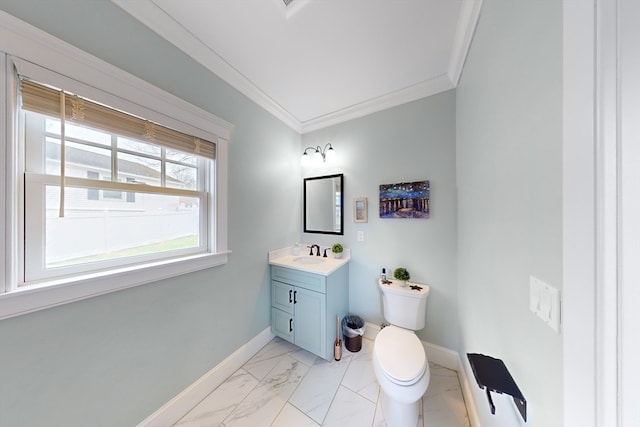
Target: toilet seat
pixel 400 355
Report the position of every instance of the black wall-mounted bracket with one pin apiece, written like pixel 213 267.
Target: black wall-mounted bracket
pixel 493 375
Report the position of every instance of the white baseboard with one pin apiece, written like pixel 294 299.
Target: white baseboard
pixel 371 330
pixel 446 358
pixel 442 356
pixel 172 411
pixel 469 400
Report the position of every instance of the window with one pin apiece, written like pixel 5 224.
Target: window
pixel 77 225
pixel 110 181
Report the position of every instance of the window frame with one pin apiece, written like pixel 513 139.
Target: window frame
pixel 39 177
pixel 23 46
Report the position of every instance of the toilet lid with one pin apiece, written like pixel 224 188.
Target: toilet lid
pixel 400 354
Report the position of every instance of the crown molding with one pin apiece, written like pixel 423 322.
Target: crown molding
pixel 412 93
pixel 151 15
pixel 465 30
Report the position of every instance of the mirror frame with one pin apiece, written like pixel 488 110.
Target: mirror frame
pixel 304 209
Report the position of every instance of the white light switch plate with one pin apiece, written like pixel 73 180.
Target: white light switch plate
pixel 544 301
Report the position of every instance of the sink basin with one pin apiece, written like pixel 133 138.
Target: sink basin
pixel 308 259
pixel 302 261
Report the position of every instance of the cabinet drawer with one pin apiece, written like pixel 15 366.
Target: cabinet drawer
pixel 282 324
pixel 311 281
pixel 282 296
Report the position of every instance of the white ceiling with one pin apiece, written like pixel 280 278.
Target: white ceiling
pixel 316 63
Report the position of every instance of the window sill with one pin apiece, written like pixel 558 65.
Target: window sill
pixel 43 295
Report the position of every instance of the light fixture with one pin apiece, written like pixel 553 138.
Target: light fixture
pixel 318 156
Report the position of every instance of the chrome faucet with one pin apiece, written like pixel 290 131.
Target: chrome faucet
pixel 311 249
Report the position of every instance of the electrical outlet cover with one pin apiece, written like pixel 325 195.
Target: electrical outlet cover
pixel 544 301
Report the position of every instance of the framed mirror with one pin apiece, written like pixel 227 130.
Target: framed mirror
pixel 324 204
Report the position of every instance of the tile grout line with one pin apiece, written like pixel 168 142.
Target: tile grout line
pixel 259 381
pixel 338 388
pixel 294 391
pixel 466 411
pixel 317 360
pixel 289 353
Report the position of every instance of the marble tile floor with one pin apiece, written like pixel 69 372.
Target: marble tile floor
pixel 285 386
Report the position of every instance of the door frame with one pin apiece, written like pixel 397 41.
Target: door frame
pixel 600 213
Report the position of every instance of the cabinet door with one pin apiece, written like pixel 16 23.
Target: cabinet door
pixel 282 324
pixel 309 322
pixel 282 296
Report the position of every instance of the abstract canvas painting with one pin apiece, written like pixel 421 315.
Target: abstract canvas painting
pixel 404 200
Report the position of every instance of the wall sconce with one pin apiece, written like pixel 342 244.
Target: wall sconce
pixel 318 156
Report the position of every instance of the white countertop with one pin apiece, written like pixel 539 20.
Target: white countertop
pixel 285 258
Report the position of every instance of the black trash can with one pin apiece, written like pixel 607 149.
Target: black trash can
pixel 353 329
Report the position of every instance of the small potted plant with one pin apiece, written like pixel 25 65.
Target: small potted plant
pixel 337 250
pixel 401 274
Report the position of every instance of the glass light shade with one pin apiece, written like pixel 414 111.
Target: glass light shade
pixel 329 155
pixel 317 158
pixel 305 160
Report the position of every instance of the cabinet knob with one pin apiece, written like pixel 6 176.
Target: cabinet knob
pixel 294 297
pixel 289 296
pixel 290 325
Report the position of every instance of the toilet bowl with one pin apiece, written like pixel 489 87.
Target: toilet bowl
pixel 402 370
pixel 399 361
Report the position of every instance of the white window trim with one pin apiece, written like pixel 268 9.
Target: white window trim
pixel 29 45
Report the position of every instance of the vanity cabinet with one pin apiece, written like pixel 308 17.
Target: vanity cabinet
pixel 304 307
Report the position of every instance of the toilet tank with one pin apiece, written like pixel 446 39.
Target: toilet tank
pixel 404 306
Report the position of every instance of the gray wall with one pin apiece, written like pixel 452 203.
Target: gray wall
pixel 412 142
pixel 509 165
pixel 113 360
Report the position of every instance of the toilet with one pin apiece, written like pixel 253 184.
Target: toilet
pixel 399 361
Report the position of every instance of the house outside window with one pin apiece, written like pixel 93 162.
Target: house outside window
pixel 92 193
pixel 156 209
